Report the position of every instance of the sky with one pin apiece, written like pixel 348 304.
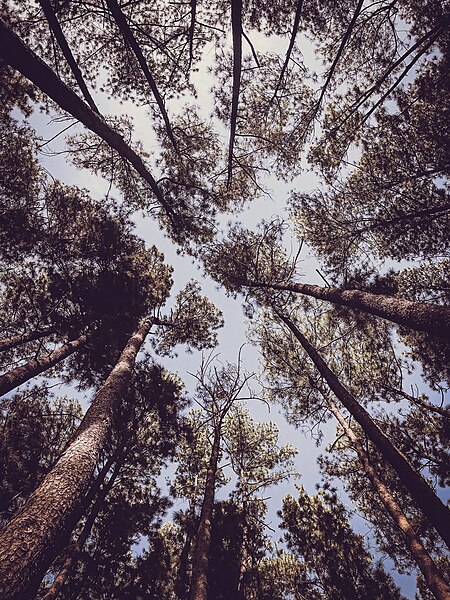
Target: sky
pixel 233 336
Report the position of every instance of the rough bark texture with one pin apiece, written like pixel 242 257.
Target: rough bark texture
pixel 421 316
pixel 437 513
pixel 59 35
pixel 20 57
pixel 76 548
pixel 432 576
pixel 199 581
pixel 129 38
pixel 27 540
pixel 17 340
pixel 35 366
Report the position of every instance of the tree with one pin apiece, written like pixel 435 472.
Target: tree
pixel 258 462
pixel 302 393
pixel 129 504
pixel 335 561
pixel 248 261
pixel 65 484
pixel 217 391
pixel 420 490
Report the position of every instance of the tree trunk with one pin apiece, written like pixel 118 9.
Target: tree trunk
pixel 76 548
pixel 182 579
pixel 243 559
pixel 129 38
pixel 16 54
pixel 422 316
pixel 236 26
pixel 199 581
pixel 60 38
pixel 182 582
pixel 36 366
pixel 29 336
pixel 27 539
pixel 413 216
pixel 64 538
pixel 437 513
pixel 432 576
pixel 440 410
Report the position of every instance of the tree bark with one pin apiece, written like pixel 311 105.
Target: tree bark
pixel 28 538
pixel 122 23
pixel 64 538
pixel 17 340
pixel 236 25
pixel 437 513
pixel 61 39
pixel 35 366
pixel 432 576
pixel 421 316
pixel 76 548
pixel 199 581
pixel 16 54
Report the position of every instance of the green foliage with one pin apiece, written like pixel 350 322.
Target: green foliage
pixel 193 321
pixel 336 564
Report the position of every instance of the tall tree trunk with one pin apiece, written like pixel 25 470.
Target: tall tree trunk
pixel 129 38
pixel 182 579
pixel 16 54
pixel 440 410
pixel 421 316
pixel 60 37
pixel 27 539
pixel 64 538
pixel 29 336
pixel 437 513
pixel 243 559
pixel 199 581
pixel 76 548
pixel 182 583
pixel 236 26
pixel 432 576
pixel 36 366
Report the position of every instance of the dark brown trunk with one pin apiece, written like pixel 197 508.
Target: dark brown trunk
pixel 36 366
pixel 182 579
pixel 437 513
pixel 20 57
pixel 122 23
pixel 432 576
pixel 191 31
pixel 413 216
pixel 182 583
pixel 76 548
pixel 421 316
pixel 17 340
pixel 298 13
pixel 60 38
pixel 199 581
pixel 236 25
pixel 28 538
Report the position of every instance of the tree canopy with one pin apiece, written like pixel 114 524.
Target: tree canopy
pixel 156 158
